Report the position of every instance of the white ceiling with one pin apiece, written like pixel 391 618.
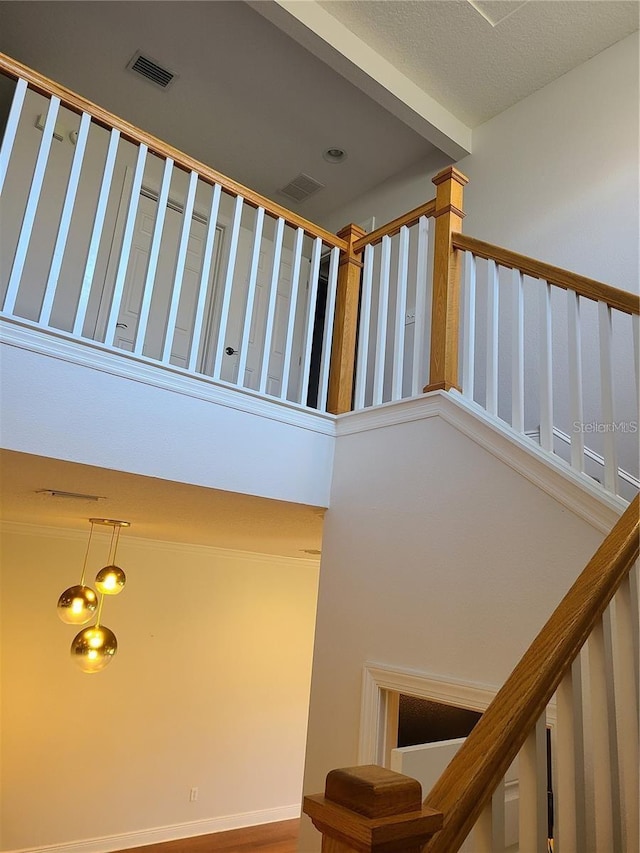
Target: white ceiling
pixel 479 57
pixel 157 509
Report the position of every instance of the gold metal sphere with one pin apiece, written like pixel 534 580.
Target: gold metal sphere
pixel 77 605
pixel 110 580
pixel 93 648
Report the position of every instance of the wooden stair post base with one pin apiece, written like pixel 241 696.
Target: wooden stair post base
pixel 371 810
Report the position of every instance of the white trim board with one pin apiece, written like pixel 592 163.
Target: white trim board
pixel 577 492
pixel 97 356
pixel 157 835
pixel 377 678
pixel 25 528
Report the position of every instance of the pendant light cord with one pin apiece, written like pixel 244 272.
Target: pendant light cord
pixel 86 557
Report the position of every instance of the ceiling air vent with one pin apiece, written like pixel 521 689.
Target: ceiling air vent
pixel 301 188
pixel 150 69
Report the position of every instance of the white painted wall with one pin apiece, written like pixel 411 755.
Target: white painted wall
pixel 71 401
pixel 209 689
pixel 437 557
pixel 555 176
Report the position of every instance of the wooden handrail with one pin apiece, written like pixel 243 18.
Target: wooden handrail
pixel 468 783
pixel 393 227
pixel 592 289
pixel 72 101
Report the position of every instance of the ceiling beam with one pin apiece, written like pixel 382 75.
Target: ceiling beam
pixel 323 35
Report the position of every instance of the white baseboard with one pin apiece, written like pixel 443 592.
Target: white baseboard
pixel 157 835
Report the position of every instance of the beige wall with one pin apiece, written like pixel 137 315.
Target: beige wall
pixel 209 688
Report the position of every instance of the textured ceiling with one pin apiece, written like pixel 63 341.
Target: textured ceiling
pixel 157 509
pixel 476 70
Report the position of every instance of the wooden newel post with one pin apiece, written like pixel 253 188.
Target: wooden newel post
pixel 371 810
pixel 445 316
pixel 343 350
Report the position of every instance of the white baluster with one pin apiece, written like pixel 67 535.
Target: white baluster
pixel 625 672
pixel 154 254
pixel 569 814
pixel 517 370
pixel 332 287
pixel 203 287
pixel 365 324
pixel 546 369
pixel 635 326
pixel 401 310
pixel 533 791
pixel 383 312
pixel 65 220
pixel 493 310
pixel 228 286
pixel 575 380
pixel 311 316
pixel 635 618
pixel 469 328
pixel 271 309
pixel 601 757
pixel 419 378
pixel 606 390
pixel 11 128
pixel 180 264
pixel 251 294
pixel 96 233
pixel 488 833
pixel 293 303
pixel 31 207
pixel 125 249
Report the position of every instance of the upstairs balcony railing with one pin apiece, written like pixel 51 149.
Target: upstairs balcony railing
pixel 114 239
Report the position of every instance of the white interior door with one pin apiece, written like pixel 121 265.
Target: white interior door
pixel 237 313
pixel 129 314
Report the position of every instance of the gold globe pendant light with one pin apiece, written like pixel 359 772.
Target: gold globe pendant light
pixel 110 580
pixel 94 647
pixel 78 604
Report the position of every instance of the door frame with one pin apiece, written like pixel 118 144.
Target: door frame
pixel 377 709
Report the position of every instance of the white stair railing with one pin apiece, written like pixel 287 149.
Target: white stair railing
pixel 395 310
pixel 553 358
pixel 113 237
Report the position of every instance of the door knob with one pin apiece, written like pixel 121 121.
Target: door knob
pixel 230 351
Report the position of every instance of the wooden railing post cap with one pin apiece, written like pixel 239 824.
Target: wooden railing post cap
pixel 373 791
pixel 372 810
pixel 351 233
pixel 450 174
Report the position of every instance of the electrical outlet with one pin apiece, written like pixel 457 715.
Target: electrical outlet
pixel 193 795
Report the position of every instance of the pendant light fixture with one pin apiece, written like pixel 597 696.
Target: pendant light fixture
pixel 94 647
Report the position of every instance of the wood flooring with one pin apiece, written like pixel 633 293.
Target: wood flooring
pixel 279 837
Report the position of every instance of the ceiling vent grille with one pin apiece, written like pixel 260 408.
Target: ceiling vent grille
pixel 301 187
pixel 150 69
